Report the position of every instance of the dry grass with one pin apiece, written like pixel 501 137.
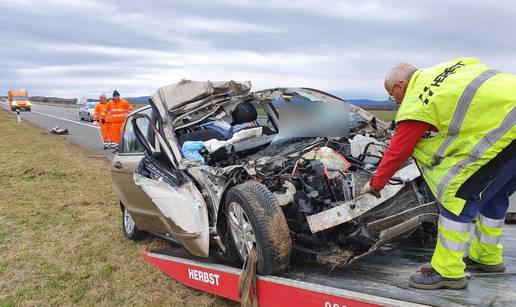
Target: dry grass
pixel 384 115
pixel 61 241
pixel 280 236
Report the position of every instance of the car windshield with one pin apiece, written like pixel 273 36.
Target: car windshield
pixel 305 115
pixel 91 105
pixel 20 98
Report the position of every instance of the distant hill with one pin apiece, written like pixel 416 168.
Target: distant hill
pixel 139 100
pixel 44 99
pixel 373 104
pixel 363 103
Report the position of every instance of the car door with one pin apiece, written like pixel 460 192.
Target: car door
pixel 143 211
pixel 183 209
pixel 81 111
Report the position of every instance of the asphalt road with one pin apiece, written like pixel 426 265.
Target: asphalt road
pixel 80 132
pixel 85 133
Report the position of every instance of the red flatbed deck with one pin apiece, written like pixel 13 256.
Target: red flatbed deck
pixel 379 279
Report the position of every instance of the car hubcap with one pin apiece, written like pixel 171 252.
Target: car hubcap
pixel 241 229
pixel 128 222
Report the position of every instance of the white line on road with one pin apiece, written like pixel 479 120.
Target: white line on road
pixel 68 120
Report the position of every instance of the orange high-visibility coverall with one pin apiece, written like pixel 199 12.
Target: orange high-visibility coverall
pixel 100 116
pixel 116 113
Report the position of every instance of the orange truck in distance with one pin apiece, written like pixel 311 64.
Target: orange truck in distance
pixel 19 99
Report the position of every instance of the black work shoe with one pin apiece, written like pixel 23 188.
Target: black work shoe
pixel 473 265
pixel 429 279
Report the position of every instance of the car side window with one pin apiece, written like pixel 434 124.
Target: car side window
pixel 130 143
pixel 262 118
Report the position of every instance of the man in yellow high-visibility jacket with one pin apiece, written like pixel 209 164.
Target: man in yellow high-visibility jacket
pixel 458 120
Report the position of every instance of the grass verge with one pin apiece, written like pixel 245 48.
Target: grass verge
pixel 384 115
pixel 61 241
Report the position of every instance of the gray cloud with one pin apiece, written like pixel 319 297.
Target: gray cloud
pixel 73 48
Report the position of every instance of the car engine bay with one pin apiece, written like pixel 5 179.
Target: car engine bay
pixel 325 174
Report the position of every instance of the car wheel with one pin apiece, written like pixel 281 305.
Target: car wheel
pixel 254 218
pixel 80 116
pixel 28 109
pixel 131 231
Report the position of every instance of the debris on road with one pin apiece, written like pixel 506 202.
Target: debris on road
pixel 57 130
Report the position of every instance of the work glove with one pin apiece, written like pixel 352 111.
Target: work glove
pixel 368 189
pixel 96 123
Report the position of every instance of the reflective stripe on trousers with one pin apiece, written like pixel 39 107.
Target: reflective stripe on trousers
pixel 489 222
pixel 452 242
pixel 487 230
pixel 486 247
pixel 455 235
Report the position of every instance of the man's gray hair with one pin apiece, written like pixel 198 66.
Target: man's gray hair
pixel 400 72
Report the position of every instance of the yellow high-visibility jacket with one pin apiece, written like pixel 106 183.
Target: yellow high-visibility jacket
pixel 473 107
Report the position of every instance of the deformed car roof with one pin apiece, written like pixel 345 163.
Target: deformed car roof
pixel 174 96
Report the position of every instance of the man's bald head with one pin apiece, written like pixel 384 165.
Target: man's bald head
pixel 400 76
pixel 102 98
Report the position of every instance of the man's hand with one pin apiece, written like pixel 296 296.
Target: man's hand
pixel 96 123
pixel 368 189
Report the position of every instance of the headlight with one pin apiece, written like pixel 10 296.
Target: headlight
pixel 14 103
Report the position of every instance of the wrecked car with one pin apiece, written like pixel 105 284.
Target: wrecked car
pixel 209 165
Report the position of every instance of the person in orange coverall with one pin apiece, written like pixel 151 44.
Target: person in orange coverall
pixel 117 110
pixel 100 117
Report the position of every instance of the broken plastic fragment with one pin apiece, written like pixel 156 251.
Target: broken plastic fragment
pixel 331 159
pixel 288 196
pixel 365 145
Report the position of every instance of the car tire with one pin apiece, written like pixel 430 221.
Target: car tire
pixel 268 224
pixel 28 109
pixel 129 227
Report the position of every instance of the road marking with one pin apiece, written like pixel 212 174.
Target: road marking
pixel 61 118
pixel 68 120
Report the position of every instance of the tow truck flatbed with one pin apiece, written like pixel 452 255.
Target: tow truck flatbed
pixel 378 279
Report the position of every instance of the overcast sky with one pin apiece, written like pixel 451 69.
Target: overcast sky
pixel 76 48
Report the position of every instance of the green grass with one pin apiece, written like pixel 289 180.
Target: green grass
pixel 61 241
pixel 384 115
